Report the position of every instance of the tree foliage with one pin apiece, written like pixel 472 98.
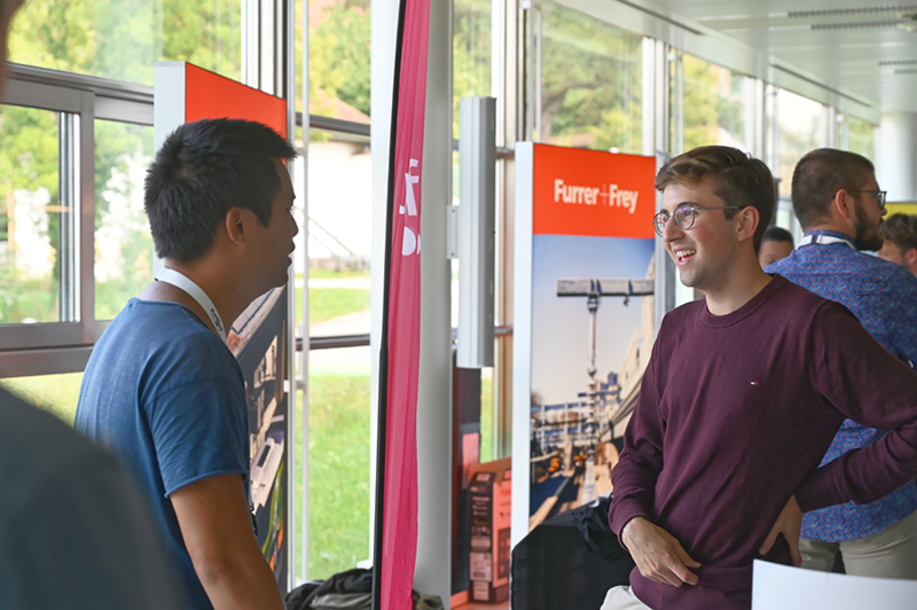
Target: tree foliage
pixel 339 58
pixel 712 114
pixel 471 53
pixel 123 39
pixel 591 81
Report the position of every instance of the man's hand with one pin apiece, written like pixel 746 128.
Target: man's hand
pixel 658 555
pixel 789 523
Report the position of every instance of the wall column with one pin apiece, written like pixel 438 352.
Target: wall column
pixel 433 573
pixel 897 166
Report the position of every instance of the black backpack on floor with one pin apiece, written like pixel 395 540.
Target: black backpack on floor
pixel 569 561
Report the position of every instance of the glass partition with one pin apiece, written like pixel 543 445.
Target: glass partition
pixel 471 54
pixel 122 40
pixel 123 243
pixel 861 137
pixel 31 216
pixel 714 106
pixel 339 60
pixel 590 76
pixel 339 440
pixel 802 127
pixel 340 234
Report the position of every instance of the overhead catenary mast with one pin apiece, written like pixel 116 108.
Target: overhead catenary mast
pixel 594 289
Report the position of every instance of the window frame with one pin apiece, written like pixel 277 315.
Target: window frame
pixel 63 347
pixel 48 348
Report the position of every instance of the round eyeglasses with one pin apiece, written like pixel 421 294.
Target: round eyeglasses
pixel 684 216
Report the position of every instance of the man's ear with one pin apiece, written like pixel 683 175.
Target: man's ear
pixel 747 220
pixel 910 257
pixel 843 205
pixel 234 223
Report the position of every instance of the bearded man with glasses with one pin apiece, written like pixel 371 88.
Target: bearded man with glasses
pixel 840 206
pixel 742 396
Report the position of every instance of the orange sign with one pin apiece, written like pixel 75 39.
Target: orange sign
pixel 211 96
pixel 592 193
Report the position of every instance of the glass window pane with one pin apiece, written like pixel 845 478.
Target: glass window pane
pixel 801 124
pixel 339 435
pixel 714 105
pixel 339 36
pixel 591 83
pixel 122 40
pixel 30 216
pixel 862 137
pixel 54 393
pixel 123 243
pixel 340 234
pixel 471 53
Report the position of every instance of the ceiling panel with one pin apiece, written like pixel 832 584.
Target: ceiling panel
pixel 846 46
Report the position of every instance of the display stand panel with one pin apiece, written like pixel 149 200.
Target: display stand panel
pixel 583 327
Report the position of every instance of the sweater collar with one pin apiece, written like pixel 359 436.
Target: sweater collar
pixel 755 303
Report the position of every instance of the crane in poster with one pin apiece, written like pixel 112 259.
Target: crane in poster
pixel 567 443
pixel 593 290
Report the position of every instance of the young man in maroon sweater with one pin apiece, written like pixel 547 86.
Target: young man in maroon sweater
pixel 742 396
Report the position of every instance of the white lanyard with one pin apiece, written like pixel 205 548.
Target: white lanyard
pixel 825 239
pixel 179 280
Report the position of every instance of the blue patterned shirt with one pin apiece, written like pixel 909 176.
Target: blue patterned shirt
pixel 883 296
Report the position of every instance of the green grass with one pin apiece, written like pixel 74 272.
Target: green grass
pixel 55 393
pixel 487 419
pixel 332 274
pixel 339 434
pixel 327 303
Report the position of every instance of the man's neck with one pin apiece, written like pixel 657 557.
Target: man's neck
pixel 222 291
pixel 830 226
pixel 737 289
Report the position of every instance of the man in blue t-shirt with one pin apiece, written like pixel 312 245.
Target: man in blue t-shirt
pixel 162 388
pixel 839 205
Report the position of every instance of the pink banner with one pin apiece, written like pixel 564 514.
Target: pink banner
pixel 399 534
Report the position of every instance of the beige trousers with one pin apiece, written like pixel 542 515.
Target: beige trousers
pixel 622 598
pixel 891 553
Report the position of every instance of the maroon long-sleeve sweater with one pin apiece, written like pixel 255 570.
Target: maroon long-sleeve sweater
pixel 735 414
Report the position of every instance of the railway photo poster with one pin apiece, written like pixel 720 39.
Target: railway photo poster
pixel 583 321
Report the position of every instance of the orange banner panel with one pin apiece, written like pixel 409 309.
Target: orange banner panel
pixel 592 193
pixel 211 96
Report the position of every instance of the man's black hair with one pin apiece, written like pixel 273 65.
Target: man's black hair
pixel 203 169
pixel 819 175
pixel 774 233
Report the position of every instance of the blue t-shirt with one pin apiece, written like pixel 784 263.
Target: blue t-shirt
pixel 164 392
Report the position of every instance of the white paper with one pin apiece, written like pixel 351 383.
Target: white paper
pixel 778 587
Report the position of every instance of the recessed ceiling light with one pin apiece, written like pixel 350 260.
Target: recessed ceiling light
pixel 863 10
pixel 857 25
